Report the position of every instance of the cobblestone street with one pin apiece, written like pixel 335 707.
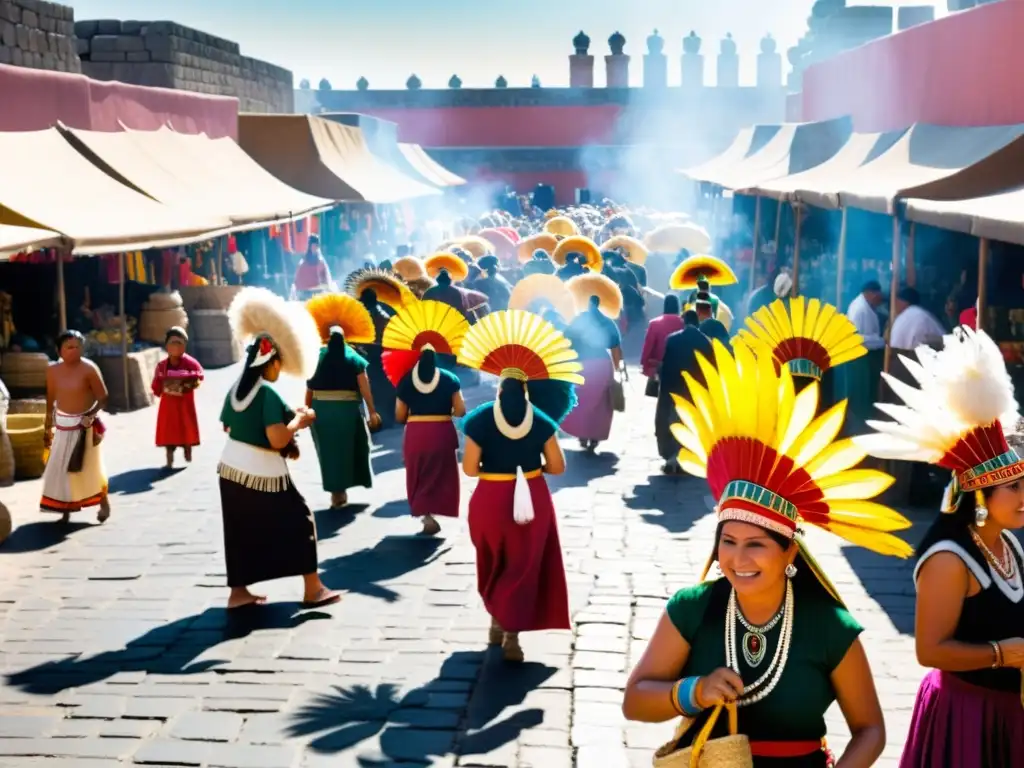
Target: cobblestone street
pixel 115 650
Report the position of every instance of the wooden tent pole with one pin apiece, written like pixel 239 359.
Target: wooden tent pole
pixel 841 261
pixel 911 264
pixel 894 287
pixel 124 328
pixel 62 299
pixel 984 256
pixel 757 240
pixel 797 225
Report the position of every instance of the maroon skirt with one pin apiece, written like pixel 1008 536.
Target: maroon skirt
pixel 431 468
pixel 959 725
pixel 519 569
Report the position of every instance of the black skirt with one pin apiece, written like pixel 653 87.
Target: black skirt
pixel 266 535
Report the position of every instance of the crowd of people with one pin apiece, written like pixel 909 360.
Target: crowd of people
pixel 542 311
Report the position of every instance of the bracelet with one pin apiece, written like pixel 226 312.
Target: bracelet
pixel 997 651
pixel 684 697
pixel 674 696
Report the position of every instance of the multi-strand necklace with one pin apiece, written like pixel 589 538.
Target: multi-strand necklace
pixel 1006 566
pixel 755 642
pixel 770 679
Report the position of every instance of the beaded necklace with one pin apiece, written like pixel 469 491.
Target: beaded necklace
pixel 770 679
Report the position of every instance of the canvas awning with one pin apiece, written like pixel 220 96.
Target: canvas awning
pixel 20 239
pixel 194 171
pixel 928 161
pixel 324 158
pixel 859 149
pixel 48 184
pixel 424 164
pixel 747 142
pixel 795 148
pixel 996 217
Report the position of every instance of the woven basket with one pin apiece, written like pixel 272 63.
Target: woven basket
pixel 25 431
pixel 155 322
pixel 732 751
pixel 208 296
pixel 5 523
pixel 24 371
pixel 31 405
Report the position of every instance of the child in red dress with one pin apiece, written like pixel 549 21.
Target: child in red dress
pixel 176 378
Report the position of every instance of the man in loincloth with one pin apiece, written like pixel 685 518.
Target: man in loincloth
pixel 75 477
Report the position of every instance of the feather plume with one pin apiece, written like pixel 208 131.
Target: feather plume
pixel 579 244
pixel 515 340
pixel 257 310
pixel 540 288
pixel 338 309
pixel 582 287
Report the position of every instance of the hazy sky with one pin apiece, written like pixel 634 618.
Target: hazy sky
pixel 388 40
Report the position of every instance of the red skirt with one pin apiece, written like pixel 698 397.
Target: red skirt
pixel 519 569
pixel 431 468
pixel 176 423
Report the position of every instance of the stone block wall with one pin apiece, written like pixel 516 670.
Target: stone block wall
pixel 168 55
pixel 38 35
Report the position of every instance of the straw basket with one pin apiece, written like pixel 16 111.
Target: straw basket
pixel 208 296
pixel 24 371
pixel 161 312
pixel 732 751
pixel 25 431
pixel 5 523
pixel 31 405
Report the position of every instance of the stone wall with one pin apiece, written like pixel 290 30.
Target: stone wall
pixel 168 55
pixel 38 35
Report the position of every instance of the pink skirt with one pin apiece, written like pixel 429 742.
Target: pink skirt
pixel 591 419
pixel 959 725
pixel 431 468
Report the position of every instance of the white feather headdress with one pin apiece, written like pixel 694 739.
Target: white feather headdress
pixel 292 329
pixel 955 418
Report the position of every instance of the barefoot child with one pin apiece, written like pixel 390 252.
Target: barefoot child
pixel 75 477
pixel 176 378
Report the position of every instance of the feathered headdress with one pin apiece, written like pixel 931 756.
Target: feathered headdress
pixel 542 241
pixel 543 290
pixel 957 416
pixel 501 244
pixel 701 267
pixel 808 338
pixel 636 252
pixel 582 287
pixel 409 268
pixel 424 324
pixel 561 226
pixel 338 310
pixel 769 461
pixel 257 312
pixel 475 244
pixel 579 244
pixel 672 238
pixel 388 286
pixel 456 267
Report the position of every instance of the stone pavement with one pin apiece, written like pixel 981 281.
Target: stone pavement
pixel 115 650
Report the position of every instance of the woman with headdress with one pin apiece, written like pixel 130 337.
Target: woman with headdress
pixel 510 443
pixel 269 532
pixel 493 284
pixel 337 392
pixel 175 381
pixel 597 341
pixel 370 295
pixel 539 264
pixel 791 647
pixel 970 595
pixel 695 275
pixel 572 267
pixel 420 345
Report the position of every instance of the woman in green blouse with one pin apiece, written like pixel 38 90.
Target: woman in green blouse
pixel 771 635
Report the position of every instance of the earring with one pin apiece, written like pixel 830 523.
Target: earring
pixel 980 510
pixel 790 571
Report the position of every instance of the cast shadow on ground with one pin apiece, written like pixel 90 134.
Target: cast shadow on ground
pixel 136 481
pixel 393 509
pixel 417 726
pixel 171 649
pixel 330 522
pixel 675 502
pixel 40 535
pixel 392 557
pixel 582 467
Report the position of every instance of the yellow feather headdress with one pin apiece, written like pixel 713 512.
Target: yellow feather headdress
pixel 542 241
pixel 957 416
pixel 388 286
pixel 699 267
pixel 457 269
pixel 809 337
pixel 257 312
pixel 771 461
pixel 562 226
pixel 636 252
pixel 416 326
pixel 582 287
pixel 520 345
pixel 331 310
pixel 540 289
pixel 409 268
pixel 582 245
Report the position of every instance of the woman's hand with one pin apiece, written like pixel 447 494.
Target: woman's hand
pixel 304 417
pixel 1013 652
pixel 720 687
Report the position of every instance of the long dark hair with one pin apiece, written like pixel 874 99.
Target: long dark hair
pixel 443 278
pixel 952 524
pixel 427 364
pixel 251 375
pixel 512 396
pixel 332 372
